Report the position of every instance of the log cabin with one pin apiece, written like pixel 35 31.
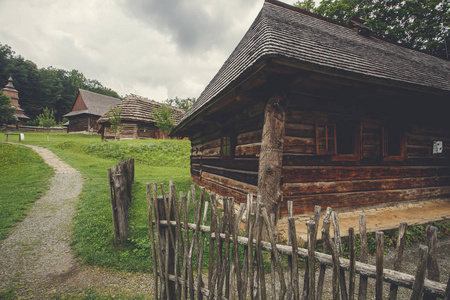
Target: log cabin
pixel 87 109
pixel 321 113
pixel 137 119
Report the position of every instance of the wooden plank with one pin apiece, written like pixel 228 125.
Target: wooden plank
pixel 325 187
pixel 334 173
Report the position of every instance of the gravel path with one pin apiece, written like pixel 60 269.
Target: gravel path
pixel 36 260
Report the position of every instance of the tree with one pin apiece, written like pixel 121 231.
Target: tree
pixel 47 120
pixel 7 112
pixel 184 104
pixel 115 119
pixel 163 119
pixel 306 5
pixel 422 25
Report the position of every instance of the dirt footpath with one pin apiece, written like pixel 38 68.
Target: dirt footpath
pixel 36 260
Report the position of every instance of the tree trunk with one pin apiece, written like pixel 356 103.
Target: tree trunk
pixel 271 154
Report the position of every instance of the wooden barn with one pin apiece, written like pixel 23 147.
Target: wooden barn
pixel 137 119
pixel 87 109
pixel 322 113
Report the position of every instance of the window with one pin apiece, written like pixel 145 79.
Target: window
pixel 225 148
pixel 339 139
pixel 325 138
pixel 393 143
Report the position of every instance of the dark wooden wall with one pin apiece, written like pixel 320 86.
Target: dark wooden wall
pixel 133 130
pixel 235 177
pixel 81 122
pixel 310 179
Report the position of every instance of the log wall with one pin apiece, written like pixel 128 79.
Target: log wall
pixel 236 177
pixel 310 179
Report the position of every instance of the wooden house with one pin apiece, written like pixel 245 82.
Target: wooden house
pixel 322 113
pixel 137 119
pixel 87 109
pixel 10 91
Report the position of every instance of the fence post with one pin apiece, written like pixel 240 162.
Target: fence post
pixel 432 265
pixel 120 198
pixel 167 249
pixel 379 235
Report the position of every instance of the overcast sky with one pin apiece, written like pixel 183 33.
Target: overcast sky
pixel 158 49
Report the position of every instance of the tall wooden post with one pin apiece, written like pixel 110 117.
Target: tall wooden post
pixel 271 154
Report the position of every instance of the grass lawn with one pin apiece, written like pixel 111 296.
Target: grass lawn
pixel 155 161
pixel 24 177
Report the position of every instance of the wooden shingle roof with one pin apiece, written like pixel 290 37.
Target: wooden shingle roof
pixel 97 104
pixel 139 109
pixel 314 43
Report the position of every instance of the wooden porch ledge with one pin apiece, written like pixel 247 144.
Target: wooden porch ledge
pixel 382 218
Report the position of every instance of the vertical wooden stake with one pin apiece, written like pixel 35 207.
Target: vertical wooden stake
pixel 398 257
pixel 362 294
pixel 419 279
pixel 152 240
pixel 379 265
pixel 351 284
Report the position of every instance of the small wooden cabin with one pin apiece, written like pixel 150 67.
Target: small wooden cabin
pixel 137 119
pixel 322 113
pixel 87 109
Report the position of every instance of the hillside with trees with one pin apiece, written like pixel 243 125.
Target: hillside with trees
pixel 48 87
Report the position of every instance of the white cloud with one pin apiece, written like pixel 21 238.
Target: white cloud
pixel 157 49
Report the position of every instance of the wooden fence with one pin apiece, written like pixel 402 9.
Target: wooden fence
pixel 121 179
pixel 239 269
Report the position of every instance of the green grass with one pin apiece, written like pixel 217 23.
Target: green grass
pixel 155 161
pixel 24 177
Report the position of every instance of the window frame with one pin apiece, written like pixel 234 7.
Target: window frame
pixel 357 133
pixel 385 144
pixel 327 139
pixel 226 141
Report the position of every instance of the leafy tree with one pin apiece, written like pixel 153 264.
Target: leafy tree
pixel 422 25
pixel 115 119
pixel 7 112
pixel 306 5
pixel 47 120
pixel 184 104
pixel 163 119
pixel 46 87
